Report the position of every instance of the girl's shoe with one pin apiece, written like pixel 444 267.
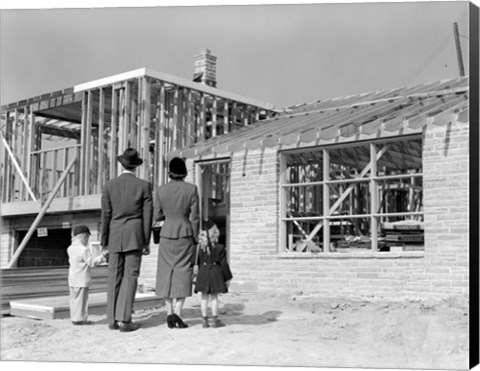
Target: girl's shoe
pixel 205 322
pixel 170 321
pixel 217 323
pixel 178 321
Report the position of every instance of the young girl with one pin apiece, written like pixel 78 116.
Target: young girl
pixel 214 273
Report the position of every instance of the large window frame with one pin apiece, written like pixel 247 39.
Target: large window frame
pixel 325 216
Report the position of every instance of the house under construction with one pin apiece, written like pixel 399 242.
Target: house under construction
pixel 58 149
pixel 360 195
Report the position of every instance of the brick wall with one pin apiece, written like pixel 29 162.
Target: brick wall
pixel 442 271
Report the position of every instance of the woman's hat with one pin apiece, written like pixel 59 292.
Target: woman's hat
pixel 130 158
pixel 177 167
pixel 81 229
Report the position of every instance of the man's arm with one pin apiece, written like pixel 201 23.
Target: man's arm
pixel 147 213
pixel 195 214
pixel 106 217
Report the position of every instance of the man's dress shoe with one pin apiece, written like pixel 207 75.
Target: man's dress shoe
pixel 128 326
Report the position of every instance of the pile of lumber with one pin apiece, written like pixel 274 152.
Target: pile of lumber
pixel 39 282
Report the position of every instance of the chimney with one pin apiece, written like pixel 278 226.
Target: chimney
pixel 205 68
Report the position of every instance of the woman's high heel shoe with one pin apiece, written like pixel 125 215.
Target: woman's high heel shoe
pixel 170 321
pixel 178 321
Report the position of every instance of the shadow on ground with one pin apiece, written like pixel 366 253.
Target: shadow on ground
pixel 230 314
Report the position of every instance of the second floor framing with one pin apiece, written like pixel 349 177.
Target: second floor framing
pixel 90 124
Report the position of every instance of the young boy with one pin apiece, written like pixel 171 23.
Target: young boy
pixel 79 274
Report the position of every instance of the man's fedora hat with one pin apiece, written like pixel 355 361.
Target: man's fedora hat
pixel 130 158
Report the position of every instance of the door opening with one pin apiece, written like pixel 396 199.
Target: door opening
pixel 213 181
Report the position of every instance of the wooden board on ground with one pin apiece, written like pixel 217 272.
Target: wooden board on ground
pixel 58 307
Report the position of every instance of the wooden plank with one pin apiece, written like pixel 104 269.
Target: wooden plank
pixel 58 307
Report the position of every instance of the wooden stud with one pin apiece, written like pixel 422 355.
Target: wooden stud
pixel 162 139
pixel 214 117
pixel 101 141
pixel 121 126
pixel 175 129
pixel 113 135
pixel 29 148
pixel 87 146
pixel 226 129
pixel 127 124
pixel 326 200
pixel 137 121
pixel 373 197
pixel 188 119
pixel 146 124
pixel 67 184
pixel 202 123
pixel 55 166
pixel 83 140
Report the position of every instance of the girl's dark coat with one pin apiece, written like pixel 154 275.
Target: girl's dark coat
pixel 213 270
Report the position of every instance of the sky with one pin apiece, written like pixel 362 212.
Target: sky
pixel 279 54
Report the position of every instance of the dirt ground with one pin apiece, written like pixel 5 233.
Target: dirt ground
pixel 262 330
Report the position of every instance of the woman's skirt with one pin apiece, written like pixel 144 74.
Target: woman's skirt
pixel 174 268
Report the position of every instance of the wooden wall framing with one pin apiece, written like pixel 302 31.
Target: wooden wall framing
pixel 99 123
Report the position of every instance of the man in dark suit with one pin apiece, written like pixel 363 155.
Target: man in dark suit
pixel 126 225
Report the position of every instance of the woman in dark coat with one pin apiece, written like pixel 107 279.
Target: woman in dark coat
pixel 214 273
pixel 177 204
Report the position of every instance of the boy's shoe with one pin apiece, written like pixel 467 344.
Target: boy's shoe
pixel 113 326
pixel 205 322
pixel 217 323
pixel 80 323
pixel 128 326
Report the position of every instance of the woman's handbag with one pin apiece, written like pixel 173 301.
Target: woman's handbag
pixel 195 268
